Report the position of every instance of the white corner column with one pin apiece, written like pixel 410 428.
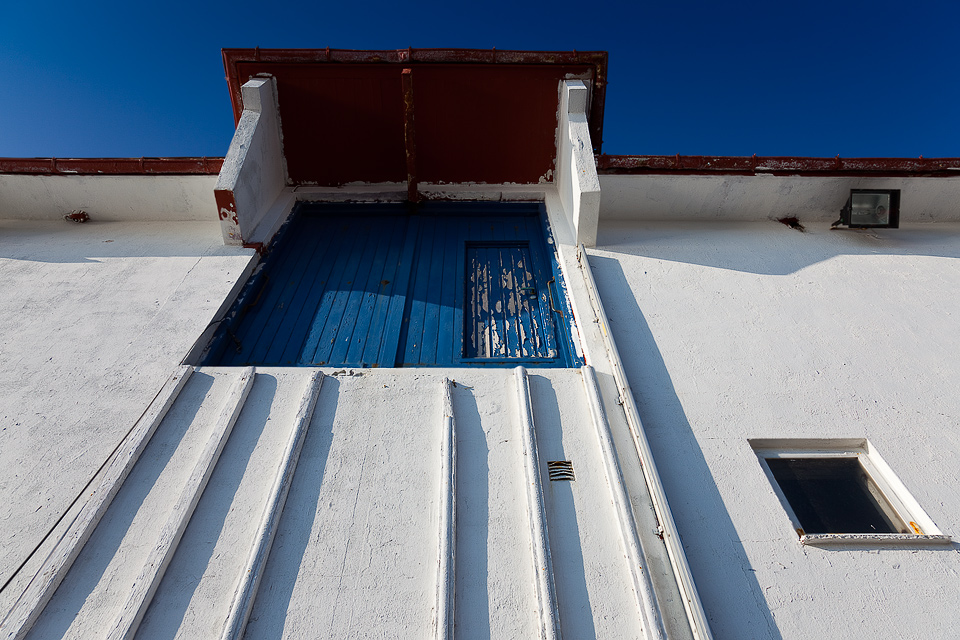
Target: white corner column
pixel 254 173
pixel 577 179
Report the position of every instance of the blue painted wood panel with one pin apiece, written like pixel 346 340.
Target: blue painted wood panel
pixel 388 285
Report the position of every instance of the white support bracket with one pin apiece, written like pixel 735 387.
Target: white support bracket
pixel 254 174
pixel 577 180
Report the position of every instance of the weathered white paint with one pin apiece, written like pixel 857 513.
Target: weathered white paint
pixel 699 626
pixel 589 331
pixel 254 169
pixel 539 537
pixel 732 331
pixel 355 549
pixel 144 198
pixel 576 176
pixel 196 597
pixel 767 197
pixel 445 607
pixel 93 319
pixel 51 573
pixel 125 625
pixel 397 192
pixel 252 572
pixel 647 607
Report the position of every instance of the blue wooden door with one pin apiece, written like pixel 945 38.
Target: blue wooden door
pixel 507 314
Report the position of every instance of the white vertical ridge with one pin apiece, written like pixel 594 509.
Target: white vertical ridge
pixel 246 590
pixel 543 565
pixel 643 587
pixel 58 562
pixel 447 549
pixel 142 591
pixel 696 616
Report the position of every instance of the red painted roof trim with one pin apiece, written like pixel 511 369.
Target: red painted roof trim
pixel 783 166
pixel 598 59
pixel 110 166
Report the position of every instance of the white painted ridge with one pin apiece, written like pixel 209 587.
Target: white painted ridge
pixel 125 625
pixel 543 563
pixel 246 592
pixel 53 570
pixel 646 599
pixel 696 616
pixel 445 607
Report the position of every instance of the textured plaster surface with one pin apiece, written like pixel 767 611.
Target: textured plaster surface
pixel 93 319
pixel 108 198
pixel 356 549
pixel 737 330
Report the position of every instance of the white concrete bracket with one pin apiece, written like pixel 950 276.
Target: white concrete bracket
pixel 254 171
pixel 577 179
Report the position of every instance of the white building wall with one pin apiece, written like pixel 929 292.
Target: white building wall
pixel 134 198
pixel 737 330
pixel 766 197
pixel 93 319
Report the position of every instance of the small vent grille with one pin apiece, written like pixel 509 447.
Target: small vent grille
pixel 560 470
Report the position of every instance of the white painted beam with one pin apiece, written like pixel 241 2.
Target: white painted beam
pixel 145 586
pixel 577 179
pixel 254 172
pixel 643 587
pixel 246 592
pixel 696 616
pixel 543 564
pixel 447 548
pixel 53 570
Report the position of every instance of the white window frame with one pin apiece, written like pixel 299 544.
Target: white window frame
pixel 925 532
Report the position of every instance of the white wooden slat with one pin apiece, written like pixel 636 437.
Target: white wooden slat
pixel 141 593
pixel 51 573
pixel 446 550
pixel 696 616
pixel 246 592
pixel 543 564
pixel 643 587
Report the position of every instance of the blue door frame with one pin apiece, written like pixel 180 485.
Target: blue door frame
pixel 439 284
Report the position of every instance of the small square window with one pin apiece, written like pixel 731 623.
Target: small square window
pixel 841 492
pixel 834 495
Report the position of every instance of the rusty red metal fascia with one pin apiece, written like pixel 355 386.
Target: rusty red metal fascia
pixel 597 59
pixel 111 166
pixel 777 165
pixel 409 136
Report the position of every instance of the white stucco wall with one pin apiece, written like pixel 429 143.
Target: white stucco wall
pixel 765 197
pixel 93 319
pixel 732 330
pixel 141 198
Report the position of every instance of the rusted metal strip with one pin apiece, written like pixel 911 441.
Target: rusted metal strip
pixel 777 165
pixel 409 136
pixel 111 166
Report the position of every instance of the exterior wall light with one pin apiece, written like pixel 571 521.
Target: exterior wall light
pixel 870 208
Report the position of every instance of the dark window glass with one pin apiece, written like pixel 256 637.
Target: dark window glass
pixel 834 495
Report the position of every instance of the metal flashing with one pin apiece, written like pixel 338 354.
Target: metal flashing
pixel 111 166
pixel 777 165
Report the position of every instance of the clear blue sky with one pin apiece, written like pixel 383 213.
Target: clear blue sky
pixel 807 78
